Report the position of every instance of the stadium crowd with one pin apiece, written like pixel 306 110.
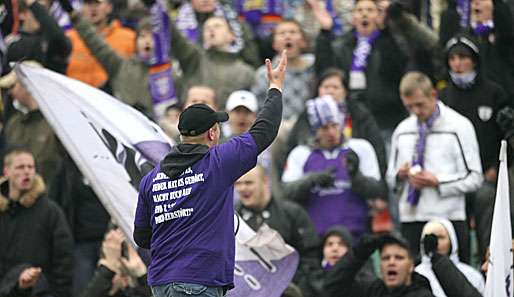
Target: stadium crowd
pixel 393 114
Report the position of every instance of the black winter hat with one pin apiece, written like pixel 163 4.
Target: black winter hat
pixel 340 231
pixel 463 44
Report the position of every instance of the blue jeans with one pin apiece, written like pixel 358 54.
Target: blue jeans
pixel 186 290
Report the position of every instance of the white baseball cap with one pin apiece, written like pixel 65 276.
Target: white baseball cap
pixel 242 98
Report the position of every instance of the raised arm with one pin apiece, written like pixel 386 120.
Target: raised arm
pixel 266 126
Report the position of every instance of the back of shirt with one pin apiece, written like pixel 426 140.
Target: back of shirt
pixel 191 216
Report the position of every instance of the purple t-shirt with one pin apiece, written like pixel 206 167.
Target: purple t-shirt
pixel 192 216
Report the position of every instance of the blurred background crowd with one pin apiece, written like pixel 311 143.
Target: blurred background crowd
pixel 393 116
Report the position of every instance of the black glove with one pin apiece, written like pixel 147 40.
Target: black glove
pixel 352 163
pixel 505 120
pixel 367 245
pixel 324 178
pixel 395 10
pixel 430 244
pixel 66 6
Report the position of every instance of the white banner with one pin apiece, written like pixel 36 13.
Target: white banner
pixel 499 274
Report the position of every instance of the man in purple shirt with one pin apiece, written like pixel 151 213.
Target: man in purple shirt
pixel 185 212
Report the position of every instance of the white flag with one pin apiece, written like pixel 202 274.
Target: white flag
pixel 499 274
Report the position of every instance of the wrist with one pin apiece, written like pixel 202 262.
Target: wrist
pixel 109 264
pixel 275 86
pixel 138 271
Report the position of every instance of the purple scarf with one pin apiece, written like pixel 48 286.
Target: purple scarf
pixel 256 13
pixel 464 8
pixel 337 29
pixel 187 24
pixel 162 88
pixel 362 50
pixel 482 29
pixel 419 157
pixel 62 17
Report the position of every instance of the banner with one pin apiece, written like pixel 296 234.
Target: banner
pixel 114 145
pixel 499 274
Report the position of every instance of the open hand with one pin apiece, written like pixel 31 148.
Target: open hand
pixel 28 277
pixel 133 265
pixel 322 15
pixel 277 75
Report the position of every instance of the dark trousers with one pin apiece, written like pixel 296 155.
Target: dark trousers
pixel 412 233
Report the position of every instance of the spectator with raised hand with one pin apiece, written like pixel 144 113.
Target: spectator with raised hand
pixel 120 271
pixel 35 241
pixel 414 38
pixel 39 38
pixel 129 77
pixel 214 65
pixel 288 35
pixel 396 266
pixel 190 21
pixel 336 243
pixel 440 263
pixel 85 65
pixel 191 238
pixel 334 177
pixel 371 58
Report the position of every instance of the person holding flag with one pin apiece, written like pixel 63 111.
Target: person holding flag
pixel 185 207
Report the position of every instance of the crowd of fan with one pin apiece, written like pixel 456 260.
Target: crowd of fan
pixel 349 166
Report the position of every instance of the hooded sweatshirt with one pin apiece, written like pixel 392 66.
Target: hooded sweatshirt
pixel 185 211
pixel 425 267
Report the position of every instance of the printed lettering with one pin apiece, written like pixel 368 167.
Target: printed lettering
pixel 180 213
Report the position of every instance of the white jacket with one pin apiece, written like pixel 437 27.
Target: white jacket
pixel 425 267
pixel 451 154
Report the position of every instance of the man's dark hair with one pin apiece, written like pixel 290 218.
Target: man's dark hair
pixel 328 73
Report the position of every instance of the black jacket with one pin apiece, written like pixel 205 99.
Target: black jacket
pixel 34 232
pixel 84 212
pixel 294 225
pixel 480 104
pixel 386 65
pixel 451 279
pixel 49 46
pixel 341 281
pixel 496 54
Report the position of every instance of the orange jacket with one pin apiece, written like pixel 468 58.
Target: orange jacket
pixel 84 67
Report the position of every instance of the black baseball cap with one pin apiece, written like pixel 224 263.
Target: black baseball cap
pixel 392 238
pixel 198 118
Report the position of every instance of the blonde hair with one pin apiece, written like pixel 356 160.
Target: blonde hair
pixel 9 157
pixel 415 80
